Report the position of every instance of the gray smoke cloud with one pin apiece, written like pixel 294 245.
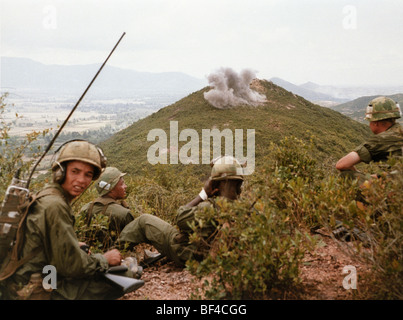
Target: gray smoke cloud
pixel 231 89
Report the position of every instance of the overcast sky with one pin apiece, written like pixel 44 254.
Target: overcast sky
pixel 333 42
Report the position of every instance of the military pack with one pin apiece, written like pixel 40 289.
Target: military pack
pixel 14 210
pixel 12 216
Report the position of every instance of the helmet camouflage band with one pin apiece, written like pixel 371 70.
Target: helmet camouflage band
pixel 382 108
pixel 226 167
pixel 81 150
pixel 108 180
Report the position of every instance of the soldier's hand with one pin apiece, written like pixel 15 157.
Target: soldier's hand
pixel 114 257
pixel 208 192
pixel 208 188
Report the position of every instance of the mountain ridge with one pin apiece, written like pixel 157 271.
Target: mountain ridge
pixel 305 91
pixel 27 73
pixel 329 95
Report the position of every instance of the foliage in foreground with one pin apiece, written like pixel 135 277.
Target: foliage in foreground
pixel 263 236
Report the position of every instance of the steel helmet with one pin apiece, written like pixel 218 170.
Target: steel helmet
pixel 226 167
pixel 108 180
pixel 382 108
pixel 80 150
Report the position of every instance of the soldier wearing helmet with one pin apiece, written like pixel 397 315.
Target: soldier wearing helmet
pixel 173 241
pixel 381 113
pixel 50 238
pixel 111 188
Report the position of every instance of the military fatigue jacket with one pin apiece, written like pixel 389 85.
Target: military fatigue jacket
pixel 188 215
pixel 380 146
pixel 49 226
pixel 118 211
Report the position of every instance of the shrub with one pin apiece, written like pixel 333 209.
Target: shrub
pixel 380 218
pixel 256 254
pixel 262 239
pixel 258 251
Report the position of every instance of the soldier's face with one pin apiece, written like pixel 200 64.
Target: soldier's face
pixel 78 177
pixel 119 191
pixel 230 189
pixel 373 126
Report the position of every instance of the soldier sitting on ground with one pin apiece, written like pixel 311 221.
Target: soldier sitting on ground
pixel 381 113
pixel 111 188
pixel 387 141
pixel 50 238
pixel 173 241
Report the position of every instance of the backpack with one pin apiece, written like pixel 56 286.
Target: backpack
pixel 13 214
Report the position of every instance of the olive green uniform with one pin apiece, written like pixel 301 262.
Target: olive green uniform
pixel 118 212
pixel 171 241
pixel 49 226
pixel 378 148
pixel 382 145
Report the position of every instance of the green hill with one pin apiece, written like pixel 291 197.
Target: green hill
pixel 284 114
pixel 355 109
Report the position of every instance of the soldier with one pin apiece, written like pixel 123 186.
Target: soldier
pixel 111 188
pixel 51 237
pixel 173 241
pixel 381 113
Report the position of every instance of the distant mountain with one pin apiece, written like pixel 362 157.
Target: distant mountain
pixel 349 93
pixel 306 91
pixel 330 96
pixel 355 109
pixel 284 114
pixel 28 74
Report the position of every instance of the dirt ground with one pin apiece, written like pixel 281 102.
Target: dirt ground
pixel 321 273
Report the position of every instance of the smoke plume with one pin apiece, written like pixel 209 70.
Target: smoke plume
pixel 231 89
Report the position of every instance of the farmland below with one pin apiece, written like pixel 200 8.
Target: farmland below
pixel 94 119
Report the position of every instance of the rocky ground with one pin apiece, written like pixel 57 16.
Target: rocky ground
pixel 321 273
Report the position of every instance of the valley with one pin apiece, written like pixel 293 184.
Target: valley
pixel 29 111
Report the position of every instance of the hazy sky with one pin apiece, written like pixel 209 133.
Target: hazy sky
pixel 324 41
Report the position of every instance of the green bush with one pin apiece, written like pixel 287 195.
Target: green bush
pixel 264 235
pixel 259 249
pixel 380 217
pixel 256 254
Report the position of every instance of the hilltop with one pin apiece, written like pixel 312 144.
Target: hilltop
pixel 283 114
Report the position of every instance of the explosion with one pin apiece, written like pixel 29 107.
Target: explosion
pixel 231 89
